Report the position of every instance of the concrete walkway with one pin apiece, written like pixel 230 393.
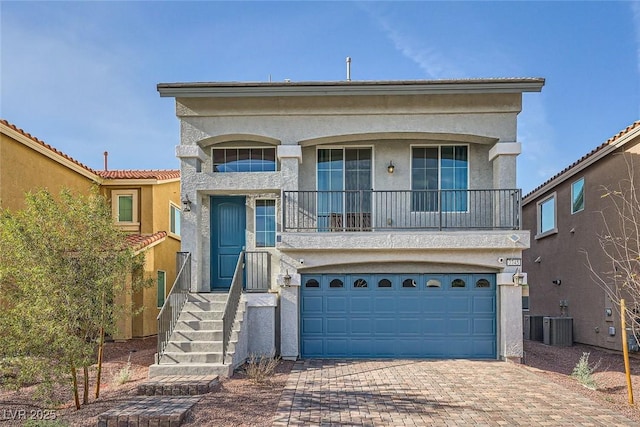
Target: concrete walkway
pixel 425 393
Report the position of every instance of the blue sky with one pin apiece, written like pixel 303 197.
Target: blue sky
pixel 82 75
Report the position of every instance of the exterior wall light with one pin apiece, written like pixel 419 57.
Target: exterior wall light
pixel 518 278
pixel 391 167
pixel 186 204
pixel 286 279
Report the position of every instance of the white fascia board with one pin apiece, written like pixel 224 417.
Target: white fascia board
pixel 215 90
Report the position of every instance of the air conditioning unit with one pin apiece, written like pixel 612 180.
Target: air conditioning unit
pixel 533 330
pixel 558 331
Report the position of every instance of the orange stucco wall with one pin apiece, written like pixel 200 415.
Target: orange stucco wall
pixel 23 169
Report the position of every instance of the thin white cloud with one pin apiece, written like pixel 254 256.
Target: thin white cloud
pixel 430 59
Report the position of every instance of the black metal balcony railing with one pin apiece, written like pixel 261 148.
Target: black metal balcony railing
pixel 317 211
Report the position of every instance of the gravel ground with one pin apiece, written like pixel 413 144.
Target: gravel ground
pixel 240 402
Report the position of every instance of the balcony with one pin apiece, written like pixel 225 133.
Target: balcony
pixel 403 210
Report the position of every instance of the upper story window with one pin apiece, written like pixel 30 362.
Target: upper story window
pixel 443 168
pixel 244 159
pixel 174 219
pixel 265 223
pixel 124 209
pixel 577 196
pixel 547 216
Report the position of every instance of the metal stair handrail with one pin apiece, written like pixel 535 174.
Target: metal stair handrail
pixel 231 306
pixel 173 304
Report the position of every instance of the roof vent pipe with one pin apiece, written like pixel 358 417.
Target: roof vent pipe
pixel 348 68
pixel 106 155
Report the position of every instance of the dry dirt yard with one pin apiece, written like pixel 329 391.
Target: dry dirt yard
pixel 240 402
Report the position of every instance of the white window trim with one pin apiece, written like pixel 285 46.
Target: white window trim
pixel 554 230
pixel 164 299
pixel 572 196
pixel 126 225
pixel 179 210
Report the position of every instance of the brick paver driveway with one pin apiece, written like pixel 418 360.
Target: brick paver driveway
pixel 438 392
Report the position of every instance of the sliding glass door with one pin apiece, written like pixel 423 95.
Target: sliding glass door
pixel 344 189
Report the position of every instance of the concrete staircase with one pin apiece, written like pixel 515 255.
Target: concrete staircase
pixel 195 346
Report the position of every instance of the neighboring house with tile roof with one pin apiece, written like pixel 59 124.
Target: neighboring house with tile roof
pixel 564 215
pixel 388 212
pixel 145 204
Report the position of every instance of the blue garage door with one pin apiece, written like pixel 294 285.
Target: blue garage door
pixel 395 316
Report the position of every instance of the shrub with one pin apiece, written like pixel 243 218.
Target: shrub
pixel 260 369
pixel 124 374
pixel 584 373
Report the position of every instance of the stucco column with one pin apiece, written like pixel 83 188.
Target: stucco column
pixel 290 157
pixel 510 315
pixel 503 155
pixel 191 157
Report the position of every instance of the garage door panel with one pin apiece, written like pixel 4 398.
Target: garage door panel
pixel 336 326
pixel 384 347
pixel 312 325
pixel 385 326
pixel 336 347
pixel 460 348
pixel 484 304
pixel 313 347
pixel 459 326
pixel 459 304
pixel 484 327
pixel 484 348
pixel 384 304
pixel 434 326
pixel 361 347
pixel 433 304
pixel 439 317
pixel 312 304
pixel 435 348
pixel 336 304
pixel 412 304
pixel 361 326
pixel 410 348
pixel 408 326
pixel 361 304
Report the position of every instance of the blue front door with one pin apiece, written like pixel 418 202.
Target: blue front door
pixel 228 223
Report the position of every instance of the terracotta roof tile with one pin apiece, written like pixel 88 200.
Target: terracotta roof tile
pixel 139 241
pixel 140 174
pixel 599 148
pixel 47 146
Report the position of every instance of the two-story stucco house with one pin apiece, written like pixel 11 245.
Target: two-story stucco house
pixel 566 215
pixel 145 204
pixel 387 213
